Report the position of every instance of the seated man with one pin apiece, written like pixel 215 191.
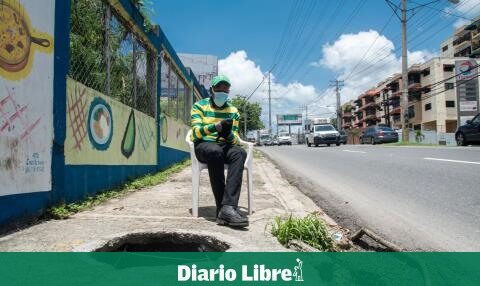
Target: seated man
pixel 215 135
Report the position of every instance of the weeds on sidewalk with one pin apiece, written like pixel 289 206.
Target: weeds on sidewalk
pixel 310 229
pixel 257 154
pixel 63 211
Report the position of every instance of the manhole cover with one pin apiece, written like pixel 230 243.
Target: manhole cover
pixel 164 242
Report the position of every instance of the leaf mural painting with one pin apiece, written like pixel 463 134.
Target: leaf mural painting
pixel 128 141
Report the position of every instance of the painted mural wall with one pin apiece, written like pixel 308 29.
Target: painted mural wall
pixel 173 132
pixel 26 95
pixel 103 131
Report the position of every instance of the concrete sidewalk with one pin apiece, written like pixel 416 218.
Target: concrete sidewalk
pixel 165 208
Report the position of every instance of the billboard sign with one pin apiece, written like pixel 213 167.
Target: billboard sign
pixel 289 119
pixel 466 69
pixel 467 89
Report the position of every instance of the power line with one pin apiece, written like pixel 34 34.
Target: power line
pixel 263 79
pixel 296 40
pixel 372 65
pixel 316 41
pixel 284 33
pixel 442 11
pixel 292 28
pixel 371 45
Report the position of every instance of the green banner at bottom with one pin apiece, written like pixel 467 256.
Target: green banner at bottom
pixel 239 268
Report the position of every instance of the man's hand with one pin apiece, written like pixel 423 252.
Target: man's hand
pixel 224 128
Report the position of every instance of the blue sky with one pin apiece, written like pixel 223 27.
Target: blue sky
pixel 252 31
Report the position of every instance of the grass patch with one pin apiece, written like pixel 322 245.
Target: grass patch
pixel 311 229
pixel 63 210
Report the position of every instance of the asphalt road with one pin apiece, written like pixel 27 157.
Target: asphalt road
pixel 421 198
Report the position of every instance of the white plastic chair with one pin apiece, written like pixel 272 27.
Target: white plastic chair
pixel 198 166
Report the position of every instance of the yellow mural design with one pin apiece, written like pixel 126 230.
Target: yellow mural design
pixel 19 41
pixel 173 132
pixel 104 131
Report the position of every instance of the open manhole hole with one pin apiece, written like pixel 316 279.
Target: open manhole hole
pixel 164 242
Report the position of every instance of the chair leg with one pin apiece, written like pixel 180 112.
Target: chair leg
pixel 195 192
pixel 250 191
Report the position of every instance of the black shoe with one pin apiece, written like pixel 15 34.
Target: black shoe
pixel 229 216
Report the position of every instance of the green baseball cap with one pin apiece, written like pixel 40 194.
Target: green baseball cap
pixel 220 78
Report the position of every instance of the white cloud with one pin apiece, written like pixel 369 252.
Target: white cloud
pixel 246 75
pixel 340 57
pixel 349 59
pixel 466 8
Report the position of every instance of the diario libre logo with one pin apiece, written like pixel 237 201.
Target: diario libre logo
pixel 248 273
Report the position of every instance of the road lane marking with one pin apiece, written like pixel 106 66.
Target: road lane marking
pixel 354 151
pixel 454 161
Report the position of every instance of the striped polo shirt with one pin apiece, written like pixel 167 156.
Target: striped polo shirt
pixel 204 117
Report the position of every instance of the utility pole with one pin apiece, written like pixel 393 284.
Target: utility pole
pixel 404 86
pixel 269 107
pixel 338 84
pixel 253 92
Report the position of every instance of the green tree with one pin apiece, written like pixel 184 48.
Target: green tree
pixel 253 110
pixel 333 121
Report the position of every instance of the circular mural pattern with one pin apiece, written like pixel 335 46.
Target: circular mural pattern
pixel 100 124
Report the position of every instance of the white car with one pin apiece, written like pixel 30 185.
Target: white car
pixel 323 134
pixel 284 138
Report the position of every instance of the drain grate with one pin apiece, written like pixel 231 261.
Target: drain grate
pixel 164 242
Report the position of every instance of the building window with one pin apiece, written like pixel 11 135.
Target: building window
pixel 448 68
pixel 450 103
pixel 427 89
pixel 445 48
pixel 426 72
pixel 448 85
pixel 428 106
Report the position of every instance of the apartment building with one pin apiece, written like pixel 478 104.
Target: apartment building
pixel 367 107
pixel 465 42
pixel 381 105
pixel 433 91
pixel 439 106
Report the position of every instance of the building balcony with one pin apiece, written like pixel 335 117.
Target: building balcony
pixel 369 94
pixel 414 86
pixel 396 94
pixel 396 110
pixel 347 115
pixel 369 105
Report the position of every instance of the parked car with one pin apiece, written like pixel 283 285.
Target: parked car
pixel 266 140
pixel 284 138
pixel 275 141
pixel 343 137
pixel 378 134
pixel 469 132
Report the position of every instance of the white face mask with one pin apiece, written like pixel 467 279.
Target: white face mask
pixel 220 98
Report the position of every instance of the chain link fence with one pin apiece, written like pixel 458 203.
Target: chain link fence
pixel 106 55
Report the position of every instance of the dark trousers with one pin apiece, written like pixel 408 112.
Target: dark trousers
pixel 215 155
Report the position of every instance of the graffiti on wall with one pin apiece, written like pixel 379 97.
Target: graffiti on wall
pixel 26 95
pixel 173 132
pixel 104 131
